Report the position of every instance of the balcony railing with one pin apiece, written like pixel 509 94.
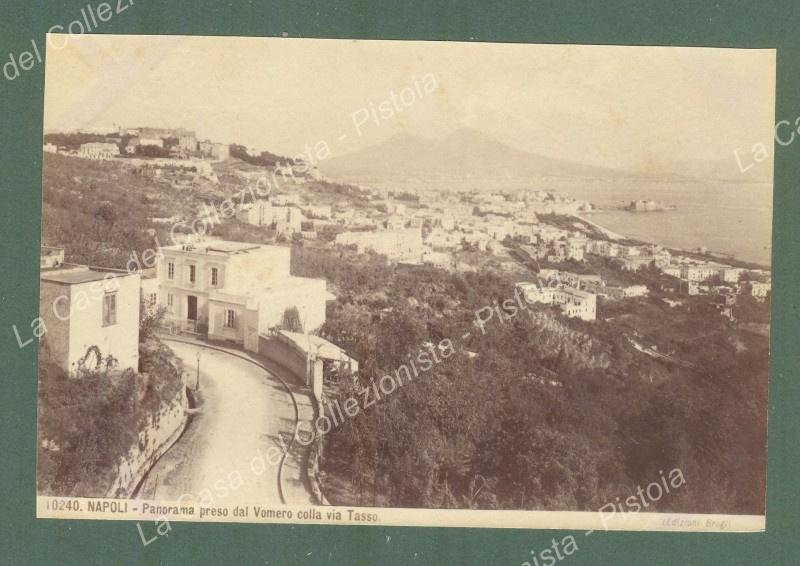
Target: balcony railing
pixel 179 325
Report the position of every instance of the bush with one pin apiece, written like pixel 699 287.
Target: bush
pixel 87 424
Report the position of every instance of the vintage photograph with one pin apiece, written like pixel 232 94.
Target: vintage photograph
pixel 405 283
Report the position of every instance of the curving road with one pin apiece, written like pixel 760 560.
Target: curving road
pixel 232 450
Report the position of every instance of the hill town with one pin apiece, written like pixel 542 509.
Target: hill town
pixel 181 242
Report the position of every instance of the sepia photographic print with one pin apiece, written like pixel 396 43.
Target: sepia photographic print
pixel 405 283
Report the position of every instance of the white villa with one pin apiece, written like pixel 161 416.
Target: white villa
pixel 400 245
pixel 572 302
pixel 237 289
pixel 99 151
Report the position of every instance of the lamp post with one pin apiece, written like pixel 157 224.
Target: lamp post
pixel 197 380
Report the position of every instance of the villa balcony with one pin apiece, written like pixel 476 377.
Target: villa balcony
pixel 184 326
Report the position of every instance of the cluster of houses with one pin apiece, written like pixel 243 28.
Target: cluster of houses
pixel 227 291
pixel 432 227
pixel 178 143
pixel 185 144
pixel 573 302
pixel 575 293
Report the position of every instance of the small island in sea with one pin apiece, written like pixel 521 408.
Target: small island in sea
pixel 647 206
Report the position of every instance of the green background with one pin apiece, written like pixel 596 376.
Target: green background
pixel 724 24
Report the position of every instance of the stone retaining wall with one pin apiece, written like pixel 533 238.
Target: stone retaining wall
pixel 162 430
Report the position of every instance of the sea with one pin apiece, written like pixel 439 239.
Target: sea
pixel 730 218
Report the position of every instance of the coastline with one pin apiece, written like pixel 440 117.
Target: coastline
pixel 608 233
pixel 708 255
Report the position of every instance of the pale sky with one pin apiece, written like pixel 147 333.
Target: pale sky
pixel 613 106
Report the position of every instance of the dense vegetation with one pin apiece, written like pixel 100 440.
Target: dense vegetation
pixel 263 159
pixel 100 212
pixel 551 413
pixel 88 422
pixel 538 412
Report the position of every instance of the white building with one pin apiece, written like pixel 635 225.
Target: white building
pixel 237 289
pixel 286 199
pixel 635 291
pixel 575 303
pixel 83 308
pixel 441 260
pixel 285 219
pixel 698 272
pixel 321 212
pixel 158 142
pixel 188 142
pixel 403 245
pixel 760 290
pixel 572 302
pixel 731 274
pixel 288 219
pixel 98 151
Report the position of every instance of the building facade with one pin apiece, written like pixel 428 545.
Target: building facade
pixel 83 308
pixel 98 151
pixel 403 245
pixel 234 290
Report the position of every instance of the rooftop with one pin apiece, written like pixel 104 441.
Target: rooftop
pixel 311 344
pixel 218 247
pixel 76 274
pixel 577 293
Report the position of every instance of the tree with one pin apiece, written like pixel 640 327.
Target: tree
pixel 150 318
pixel 291 320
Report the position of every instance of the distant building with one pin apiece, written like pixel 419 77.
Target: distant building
pixel 285 219
pixel 403 245
pixel 447 222
pixel 188 142
pixel 204 147
pixel 575 303
pixel 130 147
pixel 318 211
pixel 395 223
pixel 760 290
pixel 572 302
pixel 635 291
pixel 259 213
pixel 158 142
pixel 85 307
pixel 731 274
pixel 603 248
pixel 698 272
pixel 286 199
pixel 237 290
pixel 635 263
pixel 288 219
pixel 563 250
pixel 98 151
pixel 220 151
pixel 441 260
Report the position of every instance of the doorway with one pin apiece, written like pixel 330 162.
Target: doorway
pixel 191 307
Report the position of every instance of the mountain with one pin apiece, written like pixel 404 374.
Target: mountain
pixel 462 154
